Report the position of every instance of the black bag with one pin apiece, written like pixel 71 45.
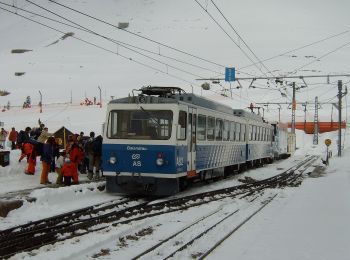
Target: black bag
pixel 21 137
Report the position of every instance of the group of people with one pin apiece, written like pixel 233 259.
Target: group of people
pixel 82 154
pixel 12 137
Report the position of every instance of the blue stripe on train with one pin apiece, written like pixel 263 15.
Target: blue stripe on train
pixel 142 158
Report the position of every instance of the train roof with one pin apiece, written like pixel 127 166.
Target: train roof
pixel 246 114
pixel 173 95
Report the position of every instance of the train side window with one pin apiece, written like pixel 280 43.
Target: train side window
pixel 253 133
pixel 258 133
pixel 201 129
pixel 211 129
pixel 243 132
pixel 263 134
pixel 232 131
pixel 112 124
pixel 182 125
pixel 226 131
pixel 238 131
pixel 249 132
pixel 218 129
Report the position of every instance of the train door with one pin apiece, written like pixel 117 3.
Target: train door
pixel 191 142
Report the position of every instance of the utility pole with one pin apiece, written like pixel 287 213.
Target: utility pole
pixel 100 97
pixel 340 95
pixel 41 102
pixel 315 140
pixel 304 105
pixel 279 113
pixel 293 109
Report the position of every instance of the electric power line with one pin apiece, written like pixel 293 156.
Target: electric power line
pixel 300 48
pixel 240 37
pixel 137 35
pixel 228 35
pixel 82 28
pixel 113 52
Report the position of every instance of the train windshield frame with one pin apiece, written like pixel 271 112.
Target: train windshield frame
pixel 140 124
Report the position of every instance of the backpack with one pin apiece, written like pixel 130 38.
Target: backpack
pixel 21 137
pixel 88 147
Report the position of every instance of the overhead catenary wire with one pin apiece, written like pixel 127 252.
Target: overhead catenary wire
pixel 100 47
pixel 144 37
pixel 300 48
pixel 100 20
pixel 114 41
pixel 240 37
pixel 136 34
pixel 82 28
pixel 113 52
pixel 321 57
pixel 229 36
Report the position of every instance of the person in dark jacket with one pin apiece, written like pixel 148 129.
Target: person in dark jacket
pixel 97 151
pixel 47 156
pixel 23 137
pixel 89 154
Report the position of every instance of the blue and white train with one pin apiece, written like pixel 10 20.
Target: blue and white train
pixel 158 141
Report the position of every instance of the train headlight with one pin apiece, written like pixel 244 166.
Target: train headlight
pixel 160 159
pixel 112 160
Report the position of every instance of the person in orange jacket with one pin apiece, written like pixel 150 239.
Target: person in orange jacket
pixel 29 151
pixel 69 171
pixel 76 155
pixel 13 138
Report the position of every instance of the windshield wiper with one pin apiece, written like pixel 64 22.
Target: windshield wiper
pixel 150 116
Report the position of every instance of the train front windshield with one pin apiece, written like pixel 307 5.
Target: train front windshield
pixel 140 124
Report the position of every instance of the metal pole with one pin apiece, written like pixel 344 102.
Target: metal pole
pixel 293 109
pixel 340 85
pixel 279 114
pixel 41 102
pixel 305 116
pixel 100 97
pixel 316 128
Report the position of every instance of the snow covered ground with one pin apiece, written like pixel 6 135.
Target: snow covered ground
pixel 306 222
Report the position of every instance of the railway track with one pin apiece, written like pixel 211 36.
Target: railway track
pixel 65 226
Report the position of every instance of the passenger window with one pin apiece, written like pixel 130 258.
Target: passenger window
pixel 182 123
pixel 226 131
pixel 113 123
pixel 201 129
pixel 211 129
pixel 218 129
pixel 232 131
pixel 238 131
pixel 242 132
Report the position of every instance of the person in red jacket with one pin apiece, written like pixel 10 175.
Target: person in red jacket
pixel 13 138
pixel 69 171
